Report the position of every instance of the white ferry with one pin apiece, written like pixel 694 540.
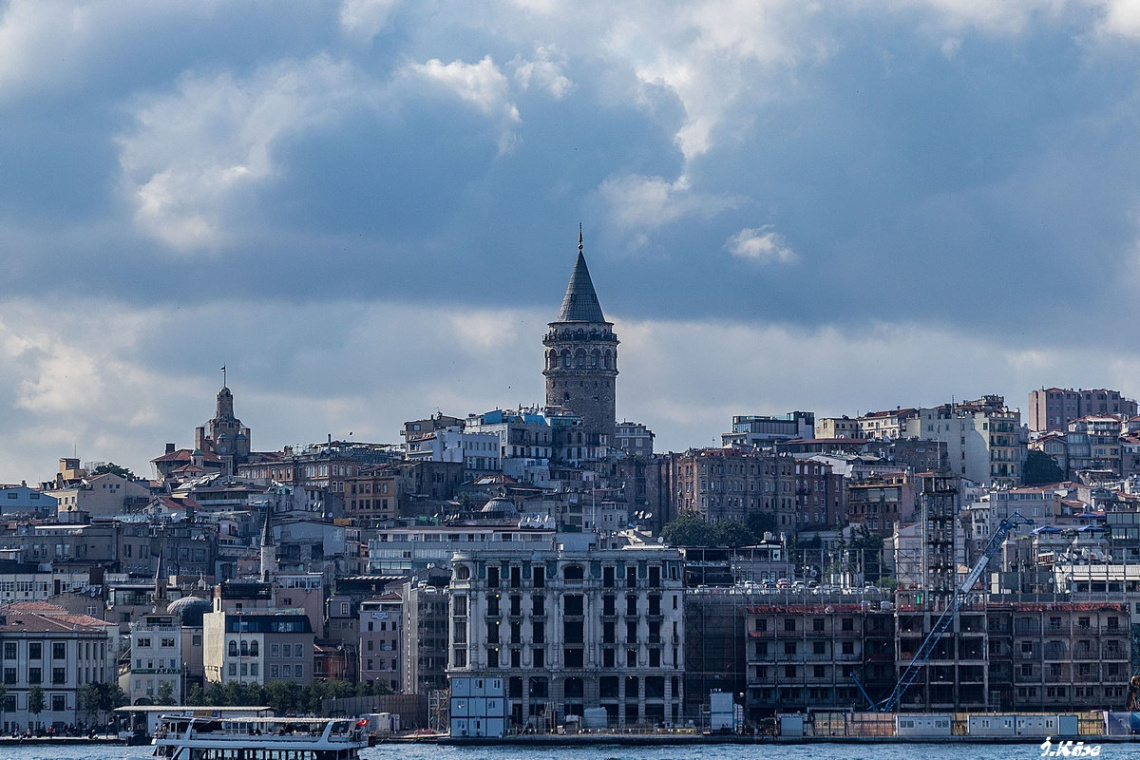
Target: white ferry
pixel 196 738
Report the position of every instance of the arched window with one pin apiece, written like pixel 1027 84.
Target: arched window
pixel 462 573
pixel 233 649
pixel 566 360
pixel 580 359
pixel 573 573
pixel 244 648
pixel 253 648
pixel 609 360
pixel 594 358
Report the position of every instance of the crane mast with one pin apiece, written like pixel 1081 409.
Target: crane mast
pixel 946 619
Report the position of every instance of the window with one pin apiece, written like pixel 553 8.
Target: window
pixel 789 624
pixel 848 647
pixel 572 604
pixel 35 675
pixel 58 702
pixel 9 675
pixel 35 650
pixel 298 651
pixel 9 650
pixel 789 647
pixel 631 658
pixel 539 656
pixel 59 675
pixel 233 668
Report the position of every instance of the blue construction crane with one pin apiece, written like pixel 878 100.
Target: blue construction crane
pixel 947 617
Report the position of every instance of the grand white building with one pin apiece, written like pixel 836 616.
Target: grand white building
pixel 577 624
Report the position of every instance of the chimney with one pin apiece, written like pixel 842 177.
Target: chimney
pixel 170 448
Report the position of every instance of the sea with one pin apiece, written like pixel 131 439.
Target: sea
pixel 886 751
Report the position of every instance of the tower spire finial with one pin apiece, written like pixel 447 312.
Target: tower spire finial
pixel 223 376
pixel 579 237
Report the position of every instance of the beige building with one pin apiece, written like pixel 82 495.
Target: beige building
pixel 258 646
pixel 101 496
pixel 836 427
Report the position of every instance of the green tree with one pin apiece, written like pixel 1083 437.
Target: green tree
pixel 215 694
pixel 165 695
pixel 731 533
pixel 282 696
pixel 113 469
pixel 1041 469
pixel 760 523
pixel 195 696
pixel 36 702
pixel 687 530
pixel 88 701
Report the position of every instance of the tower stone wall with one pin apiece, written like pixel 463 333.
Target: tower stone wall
pixel 581 358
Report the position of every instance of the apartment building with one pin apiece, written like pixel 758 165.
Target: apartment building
pixel 726 484
pixel 982 439
pixel 1055 408
pixel 258 646
pixel 156 659
pixel 381 640
pixel 576 625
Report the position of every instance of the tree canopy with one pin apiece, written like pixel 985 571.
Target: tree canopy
pixel 691 530
pixel 1041 469
pixel 113 469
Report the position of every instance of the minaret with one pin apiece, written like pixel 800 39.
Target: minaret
pixel 581 357
pixel 268 550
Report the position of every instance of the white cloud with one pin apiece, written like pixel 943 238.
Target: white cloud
pixel 196 150
pixel 364 19
pixel 481 85
pixel 545 72
pixel 762 245
pixel 636 203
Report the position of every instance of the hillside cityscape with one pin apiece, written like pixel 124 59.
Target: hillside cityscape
pixel 551 551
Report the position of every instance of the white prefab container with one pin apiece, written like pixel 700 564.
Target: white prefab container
pixel 721 713
pixel 993 725
pixel 595 717
pixel 792 725
pixel 461 687
pixel 495 727
pixel 459 727
pixel 1037 726
pixel 460 708
pixel 932 726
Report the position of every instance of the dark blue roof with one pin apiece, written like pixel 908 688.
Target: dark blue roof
pixel 580 304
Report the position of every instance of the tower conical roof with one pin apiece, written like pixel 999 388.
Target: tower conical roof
pixel 580 304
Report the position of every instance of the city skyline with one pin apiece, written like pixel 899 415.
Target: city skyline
pixel 368 211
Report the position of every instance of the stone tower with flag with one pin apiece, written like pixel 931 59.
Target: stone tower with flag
pixel 581 358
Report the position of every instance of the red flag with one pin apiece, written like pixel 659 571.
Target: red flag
pixel 362 722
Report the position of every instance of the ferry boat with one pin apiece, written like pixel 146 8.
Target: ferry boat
pixel 196 738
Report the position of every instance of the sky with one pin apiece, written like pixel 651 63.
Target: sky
pixel 368 210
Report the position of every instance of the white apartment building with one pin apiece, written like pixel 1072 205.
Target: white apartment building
pixel 572 626
pixel 156 659
pixel 982 439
